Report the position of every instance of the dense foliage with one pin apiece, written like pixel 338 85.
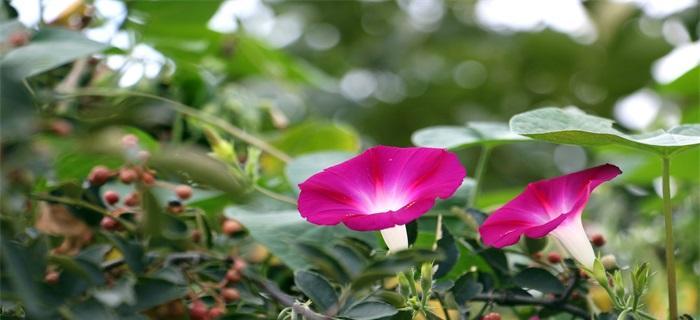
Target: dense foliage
pixel 164 184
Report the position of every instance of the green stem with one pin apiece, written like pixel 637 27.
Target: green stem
pixel 192 112
pixel 670 248
pixel 480 169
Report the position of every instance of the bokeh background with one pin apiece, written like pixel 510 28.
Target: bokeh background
pixel 381 70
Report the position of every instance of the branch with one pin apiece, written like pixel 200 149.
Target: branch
pixel 559 302
pixel 286 300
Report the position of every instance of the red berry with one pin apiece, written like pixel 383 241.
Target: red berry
pixel 537 255
pixel 231 227
pixel 148 178
pixel 127 175
pixel 109 223
pixel 198 310
pixel 61 127
pixel 598 240
pixel 553 257
pixel 183 192
pixel 492 316
pixel 18 38
pixel 130 140
pixel 233 275
pixel 196 236
pixel 99 175
pixel 239 264
pixel 111 197
pixel 51 277
pixel 230 294
pixel 132 199
pixel 216 312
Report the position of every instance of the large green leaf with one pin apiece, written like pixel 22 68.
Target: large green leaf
pixel 282 231
pixel 457 137
pixel 317 288
pixel 572 126
pixel 49 48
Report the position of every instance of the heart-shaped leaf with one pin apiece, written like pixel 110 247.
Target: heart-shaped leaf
pixel 573 126
pixel 458 137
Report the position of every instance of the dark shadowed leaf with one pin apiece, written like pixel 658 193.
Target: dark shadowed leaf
pixel 369 310
pixel 538 279
pixel 465 288
pixel 317 288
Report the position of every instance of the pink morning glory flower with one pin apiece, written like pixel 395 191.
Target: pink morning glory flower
pixel 384 188
pixel 551 206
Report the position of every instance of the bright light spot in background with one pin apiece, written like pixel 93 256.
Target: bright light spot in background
pixel 143 61
pixel 566 16
pixel 674 32
pixel 27 11
pixel 470 74
pixel 425 15
pixel 258 20
pixel 286 30
pixel 133 72
pixel 658 186
pixel 322 36
pixel 113 12
pixel 358 84
pixel 638 110
pixel 661 8
pixel 569 159
pixel 679 61
pixel 390 88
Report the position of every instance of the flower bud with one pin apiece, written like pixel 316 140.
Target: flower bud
pixel 99 175
pixel 183 192
pixel 609 261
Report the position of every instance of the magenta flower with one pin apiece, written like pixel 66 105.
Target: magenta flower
pixel 549 206
pixel 384 188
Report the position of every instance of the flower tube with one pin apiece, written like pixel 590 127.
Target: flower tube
pixel 384 188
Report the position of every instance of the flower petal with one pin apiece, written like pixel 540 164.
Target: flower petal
pixel 380 188
pixel 543 206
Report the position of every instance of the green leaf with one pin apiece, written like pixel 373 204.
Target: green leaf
pixel 282 231
pixel 131 250
pixel 449 248
pixel 465 288
pixel 538 279
pixel 50 48
pixel 151 292
pixel 369 310
pixel 318 136
pixel 303 167
pixel 458 137
pixel 317 288
pixel 573 126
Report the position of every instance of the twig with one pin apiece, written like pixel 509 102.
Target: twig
pixel 514 300
pixel 286 299
pixel 194 113
pixel 274 195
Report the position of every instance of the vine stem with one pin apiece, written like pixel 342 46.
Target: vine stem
pixel 194 113
pixel 670 248
pixel 480 168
